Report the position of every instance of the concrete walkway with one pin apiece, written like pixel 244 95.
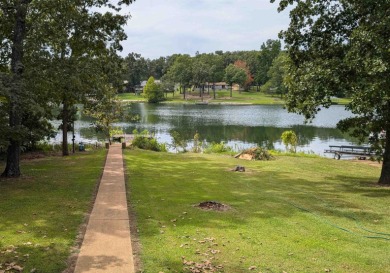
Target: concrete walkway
pixel 107 245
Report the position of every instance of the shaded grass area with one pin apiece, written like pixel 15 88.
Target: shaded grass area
pixel 292 214
pixel 42 211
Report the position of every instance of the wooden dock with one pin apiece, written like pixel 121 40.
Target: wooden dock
pixel 123 138
pixel 360 151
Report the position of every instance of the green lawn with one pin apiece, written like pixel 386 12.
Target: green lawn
pixel 41 212
pixel 292 214
pixel 222 96
pixel 131 97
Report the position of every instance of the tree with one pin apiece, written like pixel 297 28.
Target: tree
pixel 342 47
pixel 156 67
pixel 56 34
pixel 249 78
pixel 153 91
pixel 277 76
pixel 200 73
pixel 181 71
pixel 106 110
pixel 13 33
pixel 167 85
pixel 268 52
pixel 290 140
pixel 234 74
pixel 136 68
pixel 74 42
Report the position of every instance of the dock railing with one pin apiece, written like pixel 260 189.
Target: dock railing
pixel 361 151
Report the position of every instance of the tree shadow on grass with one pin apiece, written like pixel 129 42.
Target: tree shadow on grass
pixel 364 186
pixel 275 204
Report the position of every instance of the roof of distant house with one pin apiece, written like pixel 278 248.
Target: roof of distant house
pixel 143 83
pixel 216 83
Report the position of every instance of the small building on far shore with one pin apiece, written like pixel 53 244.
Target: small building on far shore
pixel 217 85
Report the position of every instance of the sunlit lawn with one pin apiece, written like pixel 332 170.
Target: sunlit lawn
pixel 292 214
pixel 222 96
pixel 131 97
pixel 41 212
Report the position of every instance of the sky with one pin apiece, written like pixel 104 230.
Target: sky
pixel 162 28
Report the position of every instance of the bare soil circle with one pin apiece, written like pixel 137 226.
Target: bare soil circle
pixel 213 205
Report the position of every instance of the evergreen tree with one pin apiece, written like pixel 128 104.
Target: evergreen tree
pixel 153 91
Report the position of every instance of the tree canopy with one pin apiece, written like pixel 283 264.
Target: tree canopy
pixel 47 46
pixel 153 91
pixel 342 47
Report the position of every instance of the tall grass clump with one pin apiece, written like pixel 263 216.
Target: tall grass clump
pixel 218 148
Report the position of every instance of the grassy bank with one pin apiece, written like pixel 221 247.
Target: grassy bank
pixel 292 214
pixel 42 211
pixel 222 97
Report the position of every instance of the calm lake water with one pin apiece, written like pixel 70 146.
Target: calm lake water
pixel 238 126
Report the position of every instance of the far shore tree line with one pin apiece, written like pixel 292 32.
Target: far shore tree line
pixel 262 69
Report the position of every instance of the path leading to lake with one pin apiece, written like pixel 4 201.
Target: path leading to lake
pixel 107 245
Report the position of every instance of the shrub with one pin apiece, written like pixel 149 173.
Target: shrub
pixel 197 147
pixel 290 140
pixel 218 148
pixel 153 92
pixel 144 141
pixel 178 141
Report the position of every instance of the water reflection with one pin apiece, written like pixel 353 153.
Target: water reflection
pixel 238 126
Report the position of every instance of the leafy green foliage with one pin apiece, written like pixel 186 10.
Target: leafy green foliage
pixel 153 92
pixel 268 52
pixel 181 70
pixel 146 142
pixel 217 148
pixel 197 144
pixel 105 111
pixel 341 47
pixel 135 70
pixel 290 140
pixel 249 78
pixel 277 75
pixel 235 75
pixel 178 141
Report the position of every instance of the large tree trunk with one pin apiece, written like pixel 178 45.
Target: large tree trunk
pixel 12 168
pixel 384 179
pixel 65 121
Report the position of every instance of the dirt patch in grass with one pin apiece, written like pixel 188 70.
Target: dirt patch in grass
pixel 213 205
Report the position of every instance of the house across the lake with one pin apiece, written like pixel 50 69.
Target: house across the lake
pixel 140 88
pixel 217 85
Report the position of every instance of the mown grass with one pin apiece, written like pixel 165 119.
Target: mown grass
pixel 291 214
pixel 222 96
pixel 131 97
pixel 42 211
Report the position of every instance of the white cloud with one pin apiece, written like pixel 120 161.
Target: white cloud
pixel 162 28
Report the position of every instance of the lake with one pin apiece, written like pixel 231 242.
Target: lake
pixel 239 126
